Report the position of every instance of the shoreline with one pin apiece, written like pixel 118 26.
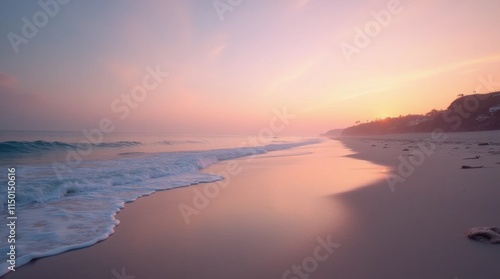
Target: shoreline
pixel 271 216
pixel 82 218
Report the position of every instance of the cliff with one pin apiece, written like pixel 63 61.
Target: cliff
pixel 478 112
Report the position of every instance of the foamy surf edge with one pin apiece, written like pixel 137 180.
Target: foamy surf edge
pixel 64 221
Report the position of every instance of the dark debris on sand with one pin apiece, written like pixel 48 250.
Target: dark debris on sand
pixel 485 234
pixel 472 167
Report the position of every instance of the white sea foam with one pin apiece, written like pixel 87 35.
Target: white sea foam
pixel 78 211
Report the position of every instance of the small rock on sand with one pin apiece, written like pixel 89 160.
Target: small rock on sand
pixel 485 234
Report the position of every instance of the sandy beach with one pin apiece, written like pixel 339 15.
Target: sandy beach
pixel 417 229
pixel 264 220
pixel 319 211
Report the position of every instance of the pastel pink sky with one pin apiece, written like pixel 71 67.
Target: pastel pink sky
pixel 227 76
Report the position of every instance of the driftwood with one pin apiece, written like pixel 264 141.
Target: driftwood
pixel 473 158
pixel 470 167
pixel 485 234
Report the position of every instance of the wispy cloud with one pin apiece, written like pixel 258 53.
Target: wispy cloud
pixel 126 73
pixel 388 83
pixel 294 74
pixel 215 46
pixel 7 80
pixel 469 71
pixel 418 75
pixel 300 4
pixel 366 92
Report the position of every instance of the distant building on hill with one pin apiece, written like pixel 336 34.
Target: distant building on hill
pixel 417 121
pixel 494 109
pixel 482 117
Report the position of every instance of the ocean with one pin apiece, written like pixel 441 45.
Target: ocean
pixel 70 185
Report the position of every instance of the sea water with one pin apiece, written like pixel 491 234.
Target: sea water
pixel 69 187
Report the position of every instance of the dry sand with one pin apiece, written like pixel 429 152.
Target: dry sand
pixel 269 217
pixel 417 229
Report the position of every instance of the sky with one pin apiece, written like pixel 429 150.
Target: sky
pixel 232 66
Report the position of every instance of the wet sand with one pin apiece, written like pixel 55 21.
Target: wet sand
pixel 284 205
pixel 265 219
